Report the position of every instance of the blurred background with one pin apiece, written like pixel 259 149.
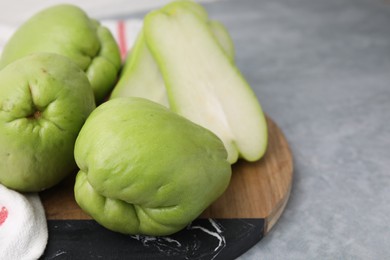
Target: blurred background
pixel 13 12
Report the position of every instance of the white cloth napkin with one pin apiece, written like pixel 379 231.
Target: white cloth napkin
pixel 23 227
pixel 5 33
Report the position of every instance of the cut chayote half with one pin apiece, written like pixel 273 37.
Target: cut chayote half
pixel 141 77
pixel 203 84
pixel 145 169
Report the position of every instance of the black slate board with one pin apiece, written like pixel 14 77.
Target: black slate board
pixel 203 239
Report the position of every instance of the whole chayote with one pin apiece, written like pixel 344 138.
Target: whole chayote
pixel 145 169
pixel 45 99
pixel 67 30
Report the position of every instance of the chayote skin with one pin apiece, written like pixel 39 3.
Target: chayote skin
pixel 44 100
pixel 67 30
pixel 145 169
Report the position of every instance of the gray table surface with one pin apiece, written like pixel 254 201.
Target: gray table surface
pixel 321 70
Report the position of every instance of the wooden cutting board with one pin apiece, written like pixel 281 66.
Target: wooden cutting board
pixel 252 204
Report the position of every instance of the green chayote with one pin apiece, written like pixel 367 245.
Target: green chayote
pixel 67 30
pixel 44 100
pixel 145 169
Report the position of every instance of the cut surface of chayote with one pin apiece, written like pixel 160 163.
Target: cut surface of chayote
pixel 67 30
pixel 145 169
pixel 203 84
pixel 44 100
pixel 141 77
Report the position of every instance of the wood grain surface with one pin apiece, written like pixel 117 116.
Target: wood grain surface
pixel 257 190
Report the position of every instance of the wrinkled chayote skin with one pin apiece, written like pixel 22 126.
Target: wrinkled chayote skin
pixel 44 101
pixel 67 30
pixel 147 170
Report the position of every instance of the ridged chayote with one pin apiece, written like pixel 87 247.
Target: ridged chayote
pixel 67 30
pixel 44 100
pixel 146 170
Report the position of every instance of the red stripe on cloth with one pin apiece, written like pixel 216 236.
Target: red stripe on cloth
pixel 3 215
pixel 122 38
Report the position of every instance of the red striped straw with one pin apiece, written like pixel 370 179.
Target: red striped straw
pixel 121 26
